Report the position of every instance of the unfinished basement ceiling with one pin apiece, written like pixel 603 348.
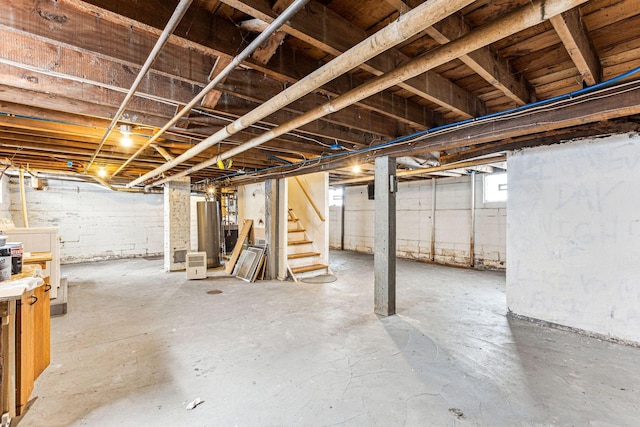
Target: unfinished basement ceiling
pixel 66 66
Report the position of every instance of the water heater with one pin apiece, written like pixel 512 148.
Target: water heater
pixel 209 231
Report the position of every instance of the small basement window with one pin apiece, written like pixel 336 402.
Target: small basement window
pixel 495 187
pixel 335 196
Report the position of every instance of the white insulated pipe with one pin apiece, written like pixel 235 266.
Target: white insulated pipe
pixel 527 16
pixel 256 43
pixel 404 27
pixel 178 13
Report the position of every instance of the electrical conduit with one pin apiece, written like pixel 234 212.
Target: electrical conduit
pixel 256 43
pixel 403 28
pixel 527 16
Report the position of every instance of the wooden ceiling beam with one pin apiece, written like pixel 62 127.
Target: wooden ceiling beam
pixel 263 88
pixel 574 35
pixel 210 100
pixel 325 30
pixel 485 62
pixel 546 138
pixel 96 101
pixel 107 73
pixel 195 40
pixel 613 103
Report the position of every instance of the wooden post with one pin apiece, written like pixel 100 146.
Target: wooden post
pixel 25 218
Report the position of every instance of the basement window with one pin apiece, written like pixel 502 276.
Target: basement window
pixel 495 187
pixel 335 196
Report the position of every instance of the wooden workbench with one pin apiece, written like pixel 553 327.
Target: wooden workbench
pixel 25 337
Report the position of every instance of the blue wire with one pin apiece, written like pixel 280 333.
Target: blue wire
pixel 450 125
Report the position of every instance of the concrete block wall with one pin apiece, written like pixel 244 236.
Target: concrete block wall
pixel 574 233
pixel 414 213
pixel 5 206
pixel 177 223
pixel 251 205
pixel 94 223
pixel 335 225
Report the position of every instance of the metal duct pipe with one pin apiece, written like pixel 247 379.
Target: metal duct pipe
pixel 179 12
pixel 275 25
pixel 441 168
pixel 401 29
pixel 527 16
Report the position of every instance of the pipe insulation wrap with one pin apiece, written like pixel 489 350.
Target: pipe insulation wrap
pixel 413 22
pixel 509 24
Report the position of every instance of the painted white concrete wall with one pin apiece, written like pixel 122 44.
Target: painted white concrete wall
pixel 414 212
pixel 251 205
pixel 177 223
pixel 574 235
pixel 335 226
pixel 317 185
pixel 5 206
pixel 94 223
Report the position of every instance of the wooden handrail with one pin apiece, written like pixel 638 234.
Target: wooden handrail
pixel 304 190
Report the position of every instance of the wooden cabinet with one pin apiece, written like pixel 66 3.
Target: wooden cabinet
pixel 32 341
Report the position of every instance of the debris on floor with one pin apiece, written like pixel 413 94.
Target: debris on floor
pixel 195 403
pixel 457 412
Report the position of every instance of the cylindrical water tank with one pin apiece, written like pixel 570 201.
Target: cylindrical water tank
pixel 209 231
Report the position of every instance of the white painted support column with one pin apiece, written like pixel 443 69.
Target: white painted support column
pixel 384 259
pixel 272 227
pixel 283 212
pixel 472 233
pixel 177 220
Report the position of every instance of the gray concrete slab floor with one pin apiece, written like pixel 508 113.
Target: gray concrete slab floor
pixel 139 344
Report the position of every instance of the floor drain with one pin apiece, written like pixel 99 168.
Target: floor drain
pixel 214 292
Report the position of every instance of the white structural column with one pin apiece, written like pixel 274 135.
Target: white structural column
pixel 177 220
pixel 384 258
pixel 273 224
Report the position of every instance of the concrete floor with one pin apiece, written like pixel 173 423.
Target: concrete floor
pixel 139 344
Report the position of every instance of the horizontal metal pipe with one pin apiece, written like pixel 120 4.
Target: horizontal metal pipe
pixel 527 16
pixel 403 28
pixel 177 15
pixel 275 25
pixel 421 171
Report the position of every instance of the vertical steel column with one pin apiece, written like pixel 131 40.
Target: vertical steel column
pixel 344 199
pixel 472 255
pixel 384 259
pixel 433 219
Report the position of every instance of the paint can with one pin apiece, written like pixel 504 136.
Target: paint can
pixel 16 257
pixel 5 263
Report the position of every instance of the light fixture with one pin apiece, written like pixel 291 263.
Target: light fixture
pixel 102 172
pixel 125 130
pixel 356 169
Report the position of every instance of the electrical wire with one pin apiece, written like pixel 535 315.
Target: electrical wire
pixel 578 96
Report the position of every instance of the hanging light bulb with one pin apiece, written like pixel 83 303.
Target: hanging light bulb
pixel 356 169
pixel 125 141
pixel 102 172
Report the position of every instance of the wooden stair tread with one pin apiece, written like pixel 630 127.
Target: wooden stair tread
pixel 299 242
pixel 303 255
pixel 306 268
pixel 296 230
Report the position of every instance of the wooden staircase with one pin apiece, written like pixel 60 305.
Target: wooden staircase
pixel 303 259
